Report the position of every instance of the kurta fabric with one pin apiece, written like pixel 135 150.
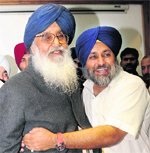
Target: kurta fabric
pixel 86 41
pixel 26 102
pixel 125 104
pixel 44 16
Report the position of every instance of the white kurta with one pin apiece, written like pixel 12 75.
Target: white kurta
pixel 125 103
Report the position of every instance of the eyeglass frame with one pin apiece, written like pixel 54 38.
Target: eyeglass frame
pixel 67 38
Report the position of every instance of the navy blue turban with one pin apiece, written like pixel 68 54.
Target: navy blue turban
pixel 107 35
pixel 43 17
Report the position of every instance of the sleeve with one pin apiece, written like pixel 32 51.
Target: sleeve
pixel 11 120
pixel 79 111
pixel 129 106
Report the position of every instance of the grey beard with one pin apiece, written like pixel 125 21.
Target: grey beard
pixel 102 80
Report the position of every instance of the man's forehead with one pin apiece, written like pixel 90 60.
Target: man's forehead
pixel 102 51
pixel 145 61
pixel 26 55
pixel 100 47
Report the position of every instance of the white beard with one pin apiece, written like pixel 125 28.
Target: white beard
pixel 58 71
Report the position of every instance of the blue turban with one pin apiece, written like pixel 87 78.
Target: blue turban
pixel 107 35
pixel 44 16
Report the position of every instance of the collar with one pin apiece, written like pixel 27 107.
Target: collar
pixel 89 83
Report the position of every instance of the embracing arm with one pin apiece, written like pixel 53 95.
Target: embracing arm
pixel 97 137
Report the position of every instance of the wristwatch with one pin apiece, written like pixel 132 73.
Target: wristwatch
pixel 60 146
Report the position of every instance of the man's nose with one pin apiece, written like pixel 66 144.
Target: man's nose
pixel 128 61
pixel 26 63
pixel 56 42
pixel 100 60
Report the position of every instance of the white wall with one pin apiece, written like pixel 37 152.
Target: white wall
pixel 129 24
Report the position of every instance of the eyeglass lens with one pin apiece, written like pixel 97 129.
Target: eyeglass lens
pixel 49 38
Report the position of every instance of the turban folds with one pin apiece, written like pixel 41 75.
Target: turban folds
pixel 43 17
pixel 5 64
pixel 19 52
pixel 86 41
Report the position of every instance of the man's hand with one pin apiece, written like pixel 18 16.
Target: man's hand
pixel 40 139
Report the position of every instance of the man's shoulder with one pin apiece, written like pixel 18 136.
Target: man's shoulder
pixel 17 82
pixel 21 76
pixel 124 79
pixel 127 76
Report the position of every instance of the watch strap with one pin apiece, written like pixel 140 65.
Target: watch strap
pixel 60 146
pixel 60 138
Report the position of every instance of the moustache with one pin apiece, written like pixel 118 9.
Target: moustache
pixel 102 66
pixel 147 75
pixel 129 64
pixel 56 48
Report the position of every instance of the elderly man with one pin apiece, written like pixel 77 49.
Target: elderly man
pixel 21 56
pixel 145 66
pixel 4 69
pixel 116 102
pixel 46 93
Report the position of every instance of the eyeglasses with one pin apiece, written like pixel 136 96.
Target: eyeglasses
pixel 49 38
